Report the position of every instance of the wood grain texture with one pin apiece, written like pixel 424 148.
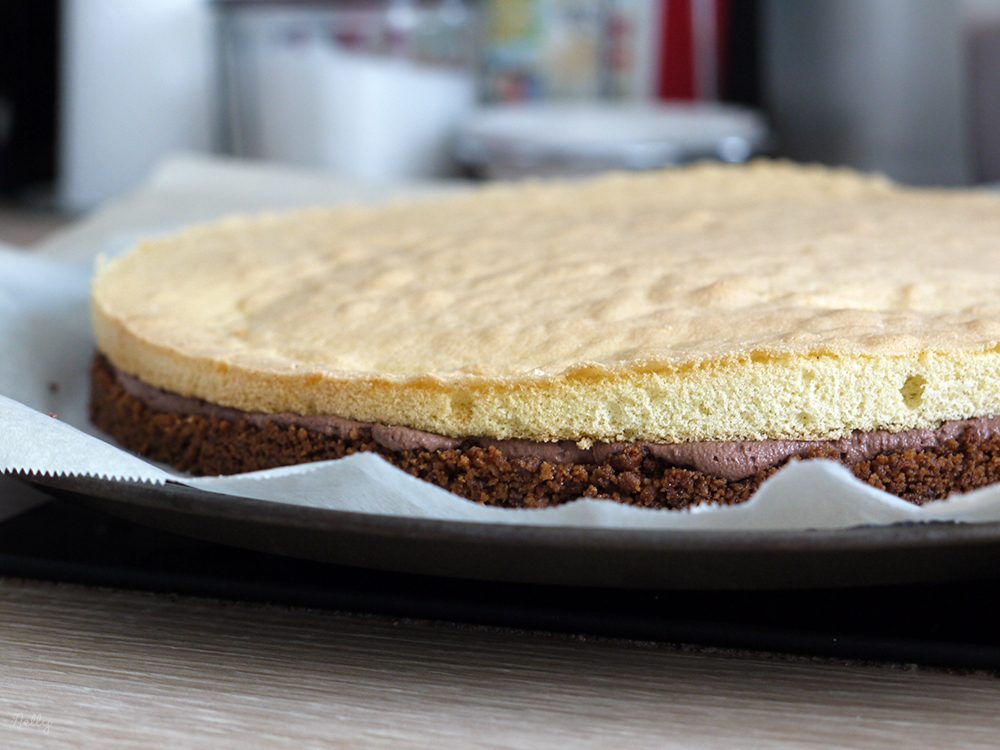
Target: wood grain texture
pixel 121 669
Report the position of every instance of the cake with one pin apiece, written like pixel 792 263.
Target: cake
pixel 662 339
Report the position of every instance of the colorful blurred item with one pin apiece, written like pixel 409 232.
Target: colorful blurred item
pixel 368 90
pixel 569 49
pixel 577 87
pixel 610 49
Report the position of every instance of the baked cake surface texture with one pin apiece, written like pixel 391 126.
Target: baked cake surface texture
pixel 657 336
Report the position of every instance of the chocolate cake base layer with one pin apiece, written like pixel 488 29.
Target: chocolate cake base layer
pixel 207 444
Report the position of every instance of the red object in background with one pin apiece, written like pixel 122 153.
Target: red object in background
pixel 676 51
pixel 677 74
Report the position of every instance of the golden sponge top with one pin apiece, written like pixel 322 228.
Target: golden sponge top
pixel 711 302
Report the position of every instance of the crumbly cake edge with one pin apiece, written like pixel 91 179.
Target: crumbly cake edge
pixel 208 446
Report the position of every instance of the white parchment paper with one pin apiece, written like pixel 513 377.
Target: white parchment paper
pixel 46 347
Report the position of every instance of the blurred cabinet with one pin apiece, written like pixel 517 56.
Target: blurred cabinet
pixel 886 85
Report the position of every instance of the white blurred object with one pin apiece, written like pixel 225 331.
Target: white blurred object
pixel 362 116
pixel 575 138
pixel 370 94
pixel 137 82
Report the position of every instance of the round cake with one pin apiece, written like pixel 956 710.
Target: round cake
pixel 663 339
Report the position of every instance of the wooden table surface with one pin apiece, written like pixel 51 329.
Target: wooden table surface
pixel 117 669
pixel 125 669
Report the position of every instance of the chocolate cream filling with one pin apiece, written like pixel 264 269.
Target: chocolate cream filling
pixel 729 459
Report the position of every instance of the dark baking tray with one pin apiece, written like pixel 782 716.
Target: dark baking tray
pixel 952 625
pixel 618 558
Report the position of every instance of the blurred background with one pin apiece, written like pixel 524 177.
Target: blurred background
pixel 94 93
